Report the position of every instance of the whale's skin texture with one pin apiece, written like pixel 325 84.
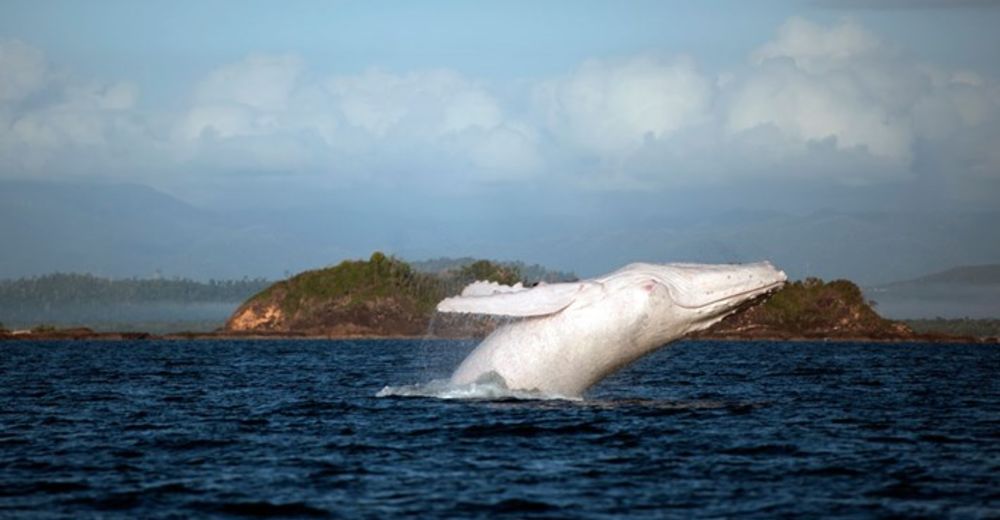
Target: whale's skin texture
pixel 567 337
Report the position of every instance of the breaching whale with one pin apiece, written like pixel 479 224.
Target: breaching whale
pixel 568 336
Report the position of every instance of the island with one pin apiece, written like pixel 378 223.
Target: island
pixel 381 297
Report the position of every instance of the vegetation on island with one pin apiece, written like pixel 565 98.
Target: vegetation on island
pixel 161 306
pixel 811 308
pixel 979 328
pixel 385 296
pixel 61 289
pixel 528 274
pixel 354 283
pixel 381 296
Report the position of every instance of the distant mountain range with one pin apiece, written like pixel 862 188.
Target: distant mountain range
pixel 124 230
pixel 967 291
pixel 970 275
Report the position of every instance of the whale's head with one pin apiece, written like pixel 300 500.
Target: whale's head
pixel 703 294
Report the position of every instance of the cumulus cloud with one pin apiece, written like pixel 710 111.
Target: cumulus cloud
pixel 815 84
pixel 841 85
pixel 439 119
pixel 52 121
pixel 816 48
pixel 24 70
pixel 440 110
pixel 250 97
pixel 260 81
pixel 431 103
pixel 612 107
pixel 827 102
pixel 833 103
pixel 835 94
pixel 256 114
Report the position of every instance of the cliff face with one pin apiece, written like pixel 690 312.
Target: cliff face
pixel 334 317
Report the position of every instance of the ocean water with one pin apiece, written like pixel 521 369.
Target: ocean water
pixel 310 429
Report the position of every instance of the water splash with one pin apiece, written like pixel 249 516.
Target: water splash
pixel 489 387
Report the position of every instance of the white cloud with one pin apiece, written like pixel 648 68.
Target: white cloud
pixel 95 96
pixel 251 97
pixel 427 103
pixel 24 70
pixel 446 115
pixel 816 84
pixel 811 108
pixel 831 103
pixel 816 48
pixel 218 120
pixel 612 107
pixel 386 121
pixel 842 86
pixel 822 102
pixel 76 135
pixel 508 151
pixel 259 81
pixel 835 94
pixel 55 122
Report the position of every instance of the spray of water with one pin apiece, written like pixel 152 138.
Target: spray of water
pixel 489 387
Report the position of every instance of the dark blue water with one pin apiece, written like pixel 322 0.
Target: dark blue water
pixel 293 428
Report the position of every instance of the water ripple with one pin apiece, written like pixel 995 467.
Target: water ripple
pixel 295 429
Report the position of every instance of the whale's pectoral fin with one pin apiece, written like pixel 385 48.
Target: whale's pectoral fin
pixel 537 301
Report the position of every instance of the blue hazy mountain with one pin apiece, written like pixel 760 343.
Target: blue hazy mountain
pixel 967 291
pixel 121 230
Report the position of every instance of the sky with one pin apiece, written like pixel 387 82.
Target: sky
pixel 532 122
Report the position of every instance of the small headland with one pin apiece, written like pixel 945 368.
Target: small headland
pixel 812 309
pixel 380 297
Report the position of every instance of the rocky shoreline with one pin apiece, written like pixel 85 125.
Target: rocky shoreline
pixel 384 298
pixel 85 334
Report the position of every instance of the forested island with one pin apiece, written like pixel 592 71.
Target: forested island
pixel 72 288
pixel 383 296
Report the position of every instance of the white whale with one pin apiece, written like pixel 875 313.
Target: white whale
pixel 569 336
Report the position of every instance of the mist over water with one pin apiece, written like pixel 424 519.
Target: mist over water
pixel 695 430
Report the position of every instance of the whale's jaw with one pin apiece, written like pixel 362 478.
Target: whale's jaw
pixel 704 294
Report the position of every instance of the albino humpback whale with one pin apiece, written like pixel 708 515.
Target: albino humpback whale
pixel 572 335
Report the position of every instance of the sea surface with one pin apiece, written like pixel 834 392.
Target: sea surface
pixel 179 429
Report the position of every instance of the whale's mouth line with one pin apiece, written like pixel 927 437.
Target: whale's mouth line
pixel 760 290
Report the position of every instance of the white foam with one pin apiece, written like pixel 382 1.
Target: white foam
pixel 480 390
